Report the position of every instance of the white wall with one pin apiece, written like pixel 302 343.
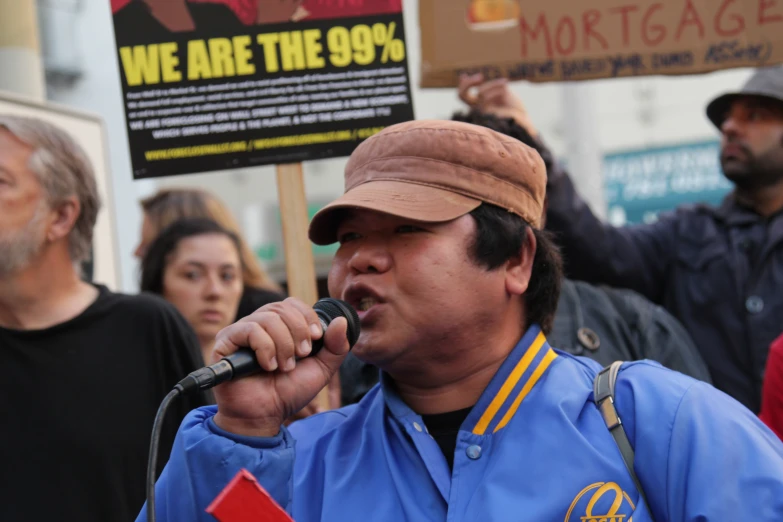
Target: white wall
pixel 638 112
pixel 629 113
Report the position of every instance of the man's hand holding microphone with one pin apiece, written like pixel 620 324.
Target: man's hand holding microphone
pixel 285 353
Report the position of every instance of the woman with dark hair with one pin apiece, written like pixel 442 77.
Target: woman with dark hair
pixel 195 264
pixel 172 204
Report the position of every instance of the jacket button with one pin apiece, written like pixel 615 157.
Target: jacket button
pixel 589 339
pixel 754 304
pixel 473 452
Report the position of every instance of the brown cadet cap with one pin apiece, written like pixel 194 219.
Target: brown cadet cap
pixel 436 171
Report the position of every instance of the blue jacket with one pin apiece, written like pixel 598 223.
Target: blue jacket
pixel 533 448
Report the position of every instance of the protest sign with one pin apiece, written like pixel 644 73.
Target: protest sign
pixel 642 183
pixel 561 40
pixel 220 84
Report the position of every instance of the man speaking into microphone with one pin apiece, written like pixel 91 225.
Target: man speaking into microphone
pixel 476 417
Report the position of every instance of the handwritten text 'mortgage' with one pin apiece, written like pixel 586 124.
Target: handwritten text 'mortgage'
pixel 644 25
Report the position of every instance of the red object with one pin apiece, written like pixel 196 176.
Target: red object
pixel 116 5
pixel 244 500
pixel 245 10
pixel 323 9
pixel 772 393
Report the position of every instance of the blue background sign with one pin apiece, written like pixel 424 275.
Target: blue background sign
pixel 639 184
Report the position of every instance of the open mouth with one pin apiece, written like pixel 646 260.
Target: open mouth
pixel 366 303
pixel 362 298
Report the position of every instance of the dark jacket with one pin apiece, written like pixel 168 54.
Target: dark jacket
pixel 610 324
pixel 603 324
pixel 718 270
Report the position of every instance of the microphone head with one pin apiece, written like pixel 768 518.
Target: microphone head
pixel 330 309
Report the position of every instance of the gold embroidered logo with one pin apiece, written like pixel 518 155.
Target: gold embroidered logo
pixel 606 503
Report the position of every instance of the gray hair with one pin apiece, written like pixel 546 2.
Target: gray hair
pixel 64 170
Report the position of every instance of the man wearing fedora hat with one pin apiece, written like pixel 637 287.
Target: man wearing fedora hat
pixel 476 416
pixel 719 270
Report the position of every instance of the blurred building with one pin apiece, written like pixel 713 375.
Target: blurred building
pixel 590 125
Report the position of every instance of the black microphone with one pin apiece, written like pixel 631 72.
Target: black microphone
pixel 243 362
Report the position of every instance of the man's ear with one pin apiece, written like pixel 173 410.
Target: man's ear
pixel 520 268
pixel 65 215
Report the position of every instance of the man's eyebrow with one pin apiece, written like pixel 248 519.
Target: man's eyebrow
pixel 345 216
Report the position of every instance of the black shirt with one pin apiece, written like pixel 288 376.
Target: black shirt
pixel 77 402
pixel 444 428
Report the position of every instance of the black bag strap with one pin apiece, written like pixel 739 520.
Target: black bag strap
pixel 603 395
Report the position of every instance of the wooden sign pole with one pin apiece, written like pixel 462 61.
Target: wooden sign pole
pixel 299 263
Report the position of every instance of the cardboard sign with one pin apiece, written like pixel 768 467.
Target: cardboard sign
pixel 221 84
pixel 561 40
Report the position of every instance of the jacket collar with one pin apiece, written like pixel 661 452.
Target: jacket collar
pixel 516 377
pixel 732 212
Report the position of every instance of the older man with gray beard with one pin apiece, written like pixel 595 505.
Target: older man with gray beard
pixel 85 368
pixel 17 247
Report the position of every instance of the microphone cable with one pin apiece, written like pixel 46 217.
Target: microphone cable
pixel 152 460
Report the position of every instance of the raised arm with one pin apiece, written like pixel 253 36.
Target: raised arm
pixel 630 257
